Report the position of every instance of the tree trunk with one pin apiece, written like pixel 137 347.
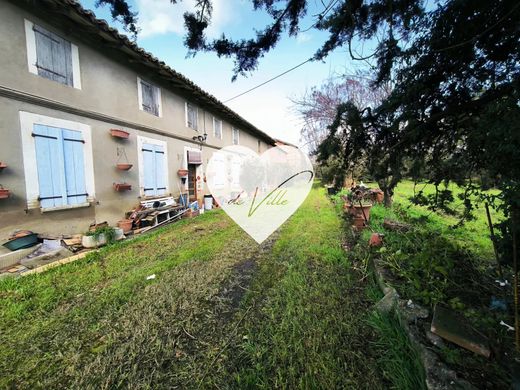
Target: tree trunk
pixel 388 198
pixel 388 190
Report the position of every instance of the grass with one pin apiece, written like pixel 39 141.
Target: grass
pixel 434 263
pixel 53 325
pixel 473 235
pixel 399 361
pixel 307 329
pixel 222 312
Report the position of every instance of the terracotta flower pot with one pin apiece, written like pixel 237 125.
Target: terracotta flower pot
pixel 125 225
pixel 2 166
pixel 377 196
pixel 4 193
pixel 376 240
pixel 358 223
pixel 118 133
pixel 122 187
pixel 358 211
pixel 182 172
pixel 124 166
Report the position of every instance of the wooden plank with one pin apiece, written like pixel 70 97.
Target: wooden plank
pixel 455 328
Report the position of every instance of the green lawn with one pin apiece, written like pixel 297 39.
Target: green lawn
pixel 433 263
pixel 473 235
pixel 222 312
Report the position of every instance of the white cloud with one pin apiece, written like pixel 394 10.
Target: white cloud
pixel 157 17
pixel 303 37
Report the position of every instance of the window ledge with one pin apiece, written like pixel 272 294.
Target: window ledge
pixel 67 207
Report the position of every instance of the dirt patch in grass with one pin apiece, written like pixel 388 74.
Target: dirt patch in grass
pixel 301 322
pixel 238 285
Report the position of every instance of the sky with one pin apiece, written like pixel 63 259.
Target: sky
pixel 269 107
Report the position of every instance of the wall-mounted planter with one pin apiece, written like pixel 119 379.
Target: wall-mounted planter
pixel 122 187
pixel 182 172
pixel 4 193
pixel 124 166
pixel 2 166
pixel 118 133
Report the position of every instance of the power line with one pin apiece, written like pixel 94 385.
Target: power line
pixel 268 81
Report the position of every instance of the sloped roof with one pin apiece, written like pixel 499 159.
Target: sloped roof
pixel 86 21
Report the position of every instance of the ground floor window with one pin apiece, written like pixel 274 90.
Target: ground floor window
pixel 61 166
pixel 57 162
pixel 153 170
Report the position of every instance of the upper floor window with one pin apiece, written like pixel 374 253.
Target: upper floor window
pixel 149 97
pixel 236 136
pixel 217 128
pixel 52 57
pixel 191 116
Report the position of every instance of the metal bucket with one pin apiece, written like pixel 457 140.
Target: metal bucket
pixel 208 202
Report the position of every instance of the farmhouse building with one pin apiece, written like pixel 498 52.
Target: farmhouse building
pixel 91 124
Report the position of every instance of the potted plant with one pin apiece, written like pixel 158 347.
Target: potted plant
pixel 182 172
pixel 101 236
pixel 3 165
pixel 4 193
pixel 358 203
pixel 118 133
pixel 122 187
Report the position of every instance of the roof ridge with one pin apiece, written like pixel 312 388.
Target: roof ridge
pixel 103 24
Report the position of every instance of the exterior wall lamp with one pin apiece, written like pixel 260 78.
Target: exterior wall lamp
pixel 200 139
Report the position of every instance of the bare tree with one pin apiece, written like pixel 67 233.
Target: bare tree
pixel 317 107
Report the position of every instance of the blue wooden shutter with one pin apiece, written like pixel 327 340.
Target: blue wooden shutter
pixel 149 170
pixel 74 163
pixel 49 161
pixel 159 170
pixel 53 56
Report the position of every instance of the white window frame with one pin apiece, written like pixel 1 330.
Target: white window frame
pixel 32 185
pixel 32 59
pixel 214 128
pixel 186 115
pixel 233 130
pixel 140 96
pixel 145 140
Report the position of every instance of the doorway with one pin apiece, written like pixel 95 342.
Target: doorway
pixel 192 182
